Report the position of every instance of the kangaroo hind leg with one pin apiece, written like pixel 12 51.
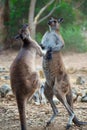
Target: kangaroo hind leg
pixel 63 100
pixel 48 91
pixel 60 90
pixel 70 102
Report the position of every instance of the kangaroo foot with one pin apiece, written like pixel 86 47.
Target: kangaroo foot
pixel 48 123
pixel 52 118
pixel 78 123
pixel 68 126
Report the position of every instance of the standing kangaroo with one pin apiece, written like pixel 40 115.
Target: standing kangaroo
pixel 24 78
pixel 57 81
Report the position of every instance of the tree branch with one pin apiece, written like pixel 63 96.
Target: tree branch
pixel 31 11
pixel 42 10
pixel 45 17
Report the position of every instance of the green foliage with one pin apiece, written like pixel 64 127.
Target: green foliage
pixel 74 41
pixel 84 7
pixel 2 2
pixel 19 10
pixel 38 37
pixel 18 14
pixel 66 11
pixel 84 25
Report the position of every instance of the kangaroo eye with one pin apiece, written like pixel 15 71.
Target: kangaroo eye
pixel 55 21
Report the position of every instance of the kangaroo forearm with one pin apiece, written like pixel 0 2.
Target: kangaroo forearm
pixel 58 47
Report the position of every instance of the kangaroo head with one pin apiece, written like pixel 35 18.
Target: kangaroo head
pixel 54 23
pixel 24 32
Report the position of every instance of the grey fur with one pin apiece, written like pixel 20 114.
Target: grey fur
pixel 51 40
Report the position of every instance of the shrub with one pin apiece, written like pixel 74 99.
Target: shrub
pixel 38 37
pixel 74 41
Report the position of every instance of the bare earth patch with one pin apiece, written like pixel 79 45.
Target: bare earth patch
pixel 37 116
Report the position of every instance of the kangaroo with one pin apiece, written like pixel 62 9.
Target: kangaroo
pixel 24 78
pixel 57 81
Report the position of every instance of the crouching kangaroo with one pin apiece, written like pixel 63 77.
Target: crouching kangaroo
pixel 24 79
pixel 57 81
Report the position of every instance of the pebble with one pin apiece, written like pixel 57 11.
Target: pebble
pixel 80 80
pixel 79 98
pixel 79 95
pixel 4 89
pixel 71 70
pixel 7 77
pixel 3 69
pixel 84 99
pixel 10 95
pixel 56 101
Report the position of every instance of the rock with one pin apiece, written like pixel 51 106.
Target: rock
pixel 74 97
pixel 74 94
pixel 74 90
pixel 71 70
pixel 83 92
pixel 79 98
pixel 3 69
pixel 77 94
pixel 37 103
pixel 84 98
pixel 56 101
pixel 2 77
pixel 84 69
pixel 80 80
pixel 4 89
pixel 7 77
pixel 39 96
pixel 10 95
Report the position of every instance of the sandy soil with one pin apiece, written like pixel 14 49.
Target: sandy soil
pixel 37 116
pixel 76 60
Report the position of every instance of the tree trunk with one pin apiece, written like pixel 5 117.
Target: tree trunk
pixel 31 18
pixel 6 24
pixel 1 25
pixel 33 31
pixel 34 20
pixel 4 19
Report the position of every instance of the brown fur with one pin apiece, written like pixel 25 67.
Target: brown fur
pixel 24 78
pixel 57 82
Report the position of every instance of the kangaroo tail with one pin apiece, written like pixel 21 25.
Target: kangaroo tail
pixel 77 122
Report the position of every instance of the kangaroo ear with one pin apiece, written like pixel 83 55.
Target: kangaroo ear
pixel 50 20
pixel 60 20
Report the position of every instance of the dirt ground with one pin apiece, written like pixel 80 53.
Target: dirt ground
pixel 37 116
